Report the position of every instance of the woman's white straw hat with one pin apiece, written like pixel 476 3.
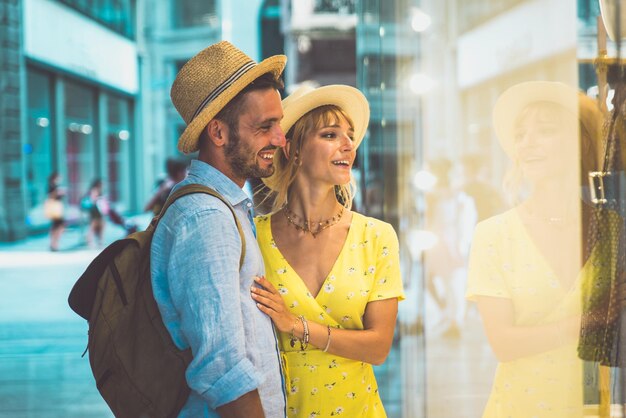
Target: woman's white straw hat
pixel 514 100
pixel 307 98
pixel 211 79
pixel 347 98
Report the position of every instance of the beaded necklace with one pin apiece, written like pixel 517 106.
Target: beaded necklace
pixel 313 228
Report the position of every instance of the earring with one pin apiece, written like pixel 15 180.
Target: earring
pixel 296 159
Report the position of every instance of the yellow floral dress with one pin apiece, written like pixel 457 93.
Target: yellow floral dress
pixel 367 269
pixel 505 263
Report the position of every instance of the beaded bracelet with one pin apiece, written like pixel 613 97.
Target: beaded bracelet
pixel 328 340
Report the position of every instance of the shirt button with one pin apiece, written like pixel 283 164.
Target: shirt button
pixel 249 204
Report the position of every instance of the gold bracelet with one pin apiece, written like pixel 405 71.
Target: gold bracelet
pixel 327 341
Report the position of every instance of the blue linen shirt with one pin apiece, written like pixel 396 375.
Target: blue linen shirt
pixel 205 300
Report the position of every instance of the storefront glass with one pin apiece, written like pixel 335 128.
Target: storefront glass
pixel 80 149
pixel 119 139
pixel 493 312
pixel 39 148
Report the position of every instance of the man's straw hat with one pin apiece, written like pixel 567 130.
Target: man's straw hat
pixel 307 98
pixel 211 79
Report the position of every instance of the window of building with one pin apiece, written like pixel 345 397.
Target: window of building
pixel 194 13
pixel 119 138
pixel 80 145
pixel 117 15
pixel 475 12
pixel 38 150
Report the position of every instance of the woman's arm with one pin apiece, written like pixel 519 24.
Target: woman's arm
pixel 370 345
pixel 510 341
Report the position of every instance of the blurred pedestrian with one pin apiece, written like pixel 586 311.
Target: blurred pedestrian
pixel 445 218
pixel 488 200
pixel 54 209
pixel 176 171
pixel 97 207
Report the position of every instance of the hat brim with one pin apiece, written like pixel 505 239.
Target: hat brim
pixel 349 99
pixel 188 141
pixel 514 100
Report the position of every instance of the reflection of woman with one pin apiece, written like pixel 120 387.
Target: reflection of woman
pixel 525 265
pixel 333 275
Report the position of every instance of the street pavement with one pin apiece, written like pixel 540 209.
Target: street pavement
pixel 42 373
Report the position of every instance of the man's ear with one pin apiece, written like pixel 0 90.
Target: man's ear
pixel 216 132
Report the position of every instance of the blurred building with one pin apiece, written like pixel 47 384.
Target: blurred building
pixel 86 93
pixel 69 93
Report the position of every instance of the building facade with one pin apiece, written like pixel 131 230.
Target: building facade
pixel 69 106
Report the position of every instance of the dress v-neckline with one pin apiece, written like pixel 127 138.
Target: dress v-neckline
pixel 575 284
pixel 330 272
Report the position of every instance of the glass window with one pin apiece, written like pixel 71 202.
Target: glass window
pixel 192 13
pixel 335 6
pixel 436 162
pixel 38 150
pixel 80 139
pixel 118 15
pixel 119 138
pixel 474 12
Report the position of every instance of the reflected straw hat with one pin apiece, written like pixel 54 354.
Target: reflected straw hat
pixel 211 79
pixel 515 99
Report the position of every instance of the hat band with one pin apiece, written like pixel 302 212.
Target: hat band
pixel 223 86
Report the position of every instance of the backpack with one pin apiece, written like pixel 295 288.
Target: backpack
pixel 138 369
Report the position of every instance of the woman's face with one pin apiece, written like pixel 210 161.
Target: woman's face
pixel 546 142
pixel 328 152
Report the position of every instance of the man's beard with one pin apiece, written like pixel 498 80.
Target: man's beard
pixel 243 159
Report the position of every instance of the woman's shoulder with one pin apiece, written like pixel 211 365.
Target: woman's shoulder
pixel 263 226
pixel 371 225
pixel 503 225
pixel 262 219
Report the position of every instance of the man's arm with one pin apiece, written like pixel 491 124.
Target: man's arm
pixel 247 406
pixel 203 271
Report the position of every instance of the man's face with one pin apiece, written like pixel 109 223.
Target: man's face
pixel 250 151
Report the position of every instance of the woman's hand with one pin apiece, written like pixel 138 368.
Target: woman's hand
pixel 270 302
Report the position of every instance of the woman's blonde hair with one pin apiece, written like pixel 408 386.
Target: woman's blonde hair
pixel 286 168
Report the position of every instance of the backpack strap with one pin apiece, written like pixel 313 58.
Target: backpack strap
pixel 198 188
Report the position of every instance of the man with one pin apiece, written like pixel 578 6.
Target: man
pixel 232 109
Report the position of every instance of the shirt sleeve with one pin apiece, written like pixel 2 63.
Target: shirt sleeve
pixel 386 268
pixel 203 272
pixel 485 277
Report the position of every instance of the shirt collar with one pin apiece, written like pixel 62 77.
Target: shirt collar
pixel 207 175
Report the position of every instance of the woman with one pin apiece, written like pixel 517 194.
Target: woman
pixel 333 280
pixel 53 208
pixel 527 267
pixel 97 205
